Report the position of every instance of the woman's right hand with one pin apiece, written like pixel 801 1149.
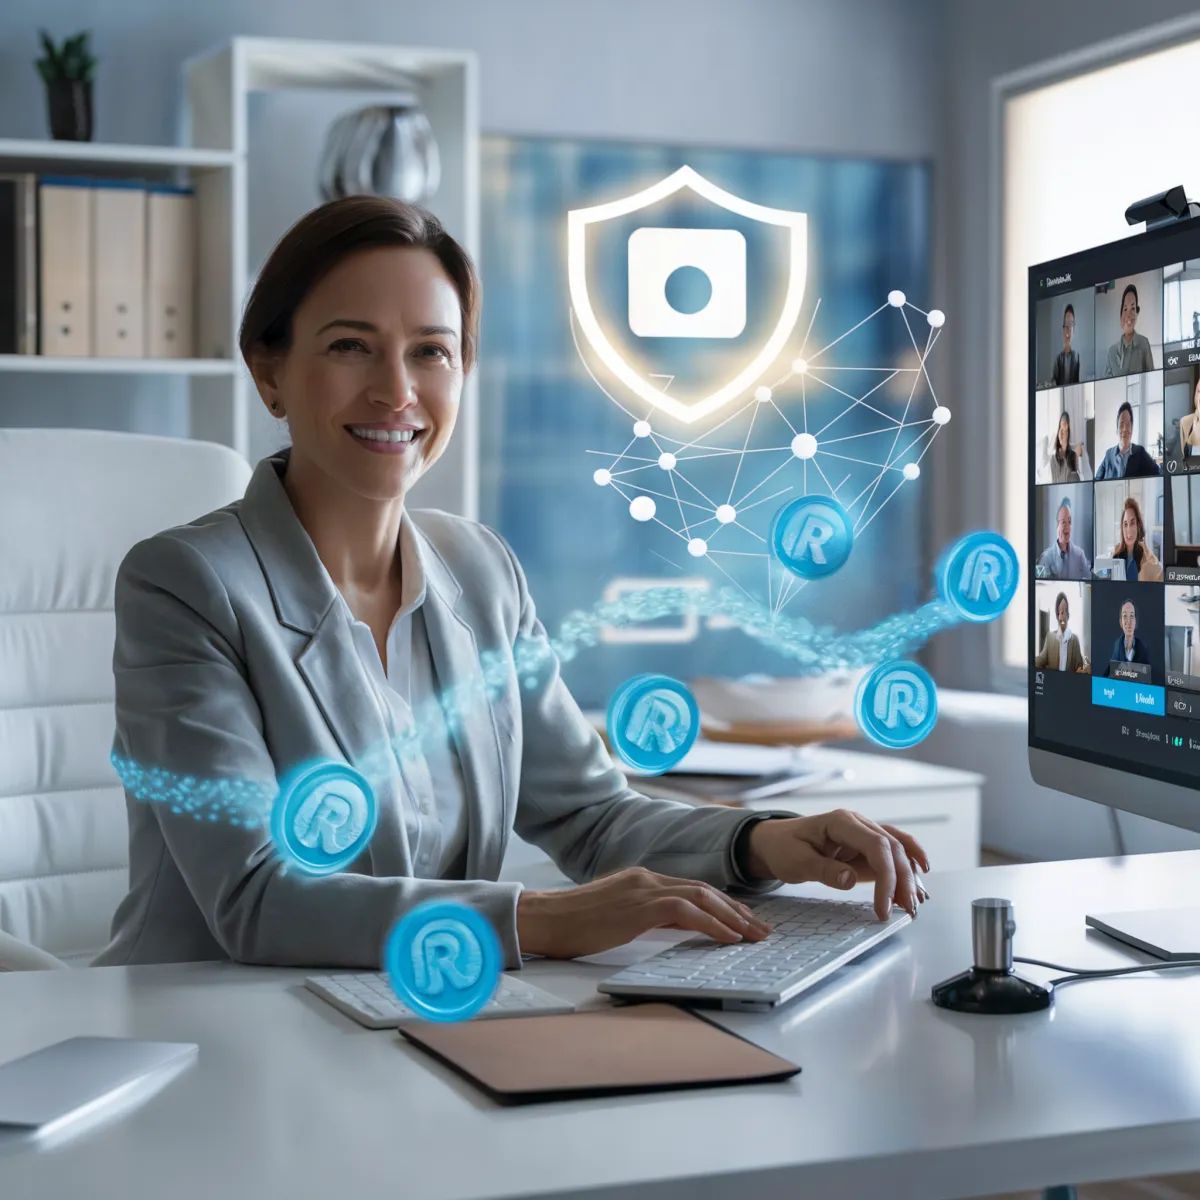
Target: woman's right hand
pixel 617 908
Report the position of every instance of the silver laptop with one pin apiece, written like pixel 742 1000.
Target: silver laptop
pixel 809 940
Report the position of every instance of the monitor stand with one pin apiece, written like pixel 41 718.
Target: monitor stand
pixel 1166 933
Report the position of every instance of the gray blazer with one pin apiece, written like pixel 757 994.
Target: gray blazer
pixel 233 662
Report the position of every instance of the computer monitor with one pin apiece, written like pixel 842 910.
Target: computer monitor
pixel 1114 524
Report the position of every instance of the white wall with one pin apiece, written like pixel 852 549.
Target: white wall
pixel 986 40
pixel 871 77
pixel 837 76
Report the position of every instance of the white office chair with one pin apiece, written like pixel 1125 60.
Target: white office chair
pixel 72 503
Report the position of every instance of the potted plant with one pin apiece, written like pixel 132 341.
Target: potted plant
pixel 68 71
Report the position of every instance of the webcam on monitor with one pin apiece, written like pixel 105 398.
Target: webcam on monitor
pixel 1162 208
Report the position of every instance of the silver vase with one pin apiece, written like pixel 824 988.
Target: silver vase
pixel 384 150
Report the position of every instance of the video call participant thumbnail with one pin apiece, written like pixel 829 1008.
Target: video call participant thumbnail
pixel 1182 622
pixel 1130 354
pixel 1066 362
pixel 1063 429
pixel 1065 339
pixel 1181 409
pixel 1127 633
pixel 1181 529
pixel 1062 649
pixel 1181 306
pixel 1066 457
pixel 1132 548
pixel 1125 460
pixel 1065 557
pixel 1129 324
pixel 1128 648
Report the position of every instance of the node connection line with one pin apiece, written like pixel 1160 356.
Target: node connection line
pixel 855 433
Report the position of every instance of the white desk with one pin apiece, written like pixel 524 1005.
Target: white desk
pixel 939 806
pixel 896 1098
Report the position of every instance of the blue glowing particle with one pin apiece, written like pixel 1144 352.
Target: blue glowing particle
pixel 896 704
pixel 978 575
pixel 812 536
pixel 443 961
pixel 324 818
pixel 652 722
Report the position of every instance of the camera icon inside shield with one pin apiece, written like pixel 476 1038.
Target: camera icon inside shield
pixel 687 283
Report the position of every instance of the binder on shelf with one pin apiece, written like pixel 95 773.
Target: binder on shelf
pixel 170 271
pixel 18 264
pixel 118 268
pixel 65 265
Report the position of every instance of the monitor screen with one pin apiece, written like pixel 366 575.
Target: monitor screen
pixel 1114 512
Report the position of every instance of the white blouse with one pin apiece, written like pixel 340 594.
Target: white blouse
pixel 435 815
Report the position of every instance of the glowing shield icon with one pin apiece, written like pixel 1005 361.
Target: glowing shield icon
pixel 712 260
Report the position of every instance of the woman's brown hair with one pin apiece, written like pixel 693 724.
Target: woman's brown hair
pixel 331 232
pixel 1119 548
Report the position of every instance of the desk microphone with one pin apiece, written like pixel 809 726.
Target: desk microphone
pixel 991 986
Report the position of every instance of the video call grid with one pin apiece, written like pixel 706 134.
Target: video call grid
pixel 1121 375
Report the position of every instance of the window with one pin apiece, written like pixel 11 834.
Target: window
pixel 1075 154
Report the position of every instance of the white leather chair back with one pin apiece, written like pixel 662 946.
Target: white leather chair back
pixel 72 503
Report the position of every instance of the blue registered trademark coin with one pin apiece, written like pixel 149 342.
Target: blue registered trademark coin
pixel 652 722
pixel 443 961
pixel 323 818
pixel 812 536
pixel 896 704
pixel 977 576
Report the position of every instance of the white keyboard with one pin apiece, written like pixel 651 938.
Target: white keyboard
pixel 370 1001
pixel 808 940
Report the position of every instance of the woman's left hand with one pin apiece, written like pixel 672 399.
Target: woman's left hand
pixel 840 849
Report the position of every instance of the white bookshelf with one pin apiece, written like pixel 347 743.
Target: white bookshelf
pixel 41 364
pixel 214 157
pixel 35 155
pixel 157 164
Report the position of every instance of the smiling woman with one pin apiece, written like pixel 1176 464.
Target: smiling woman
pixel 366 316
pixel 309 620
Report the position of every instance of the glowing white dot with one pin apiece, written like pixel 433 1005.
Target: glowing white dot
pixel 799 366
pixel 602 477
pixel 726 513
pixel 641 429
pixel 642 508
pixel 941 414
pixel 911 470
pixel 697 547
pixel 936 318
pixel 762 394
pixel 666 461
pixel 896 299
pixel 804 445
